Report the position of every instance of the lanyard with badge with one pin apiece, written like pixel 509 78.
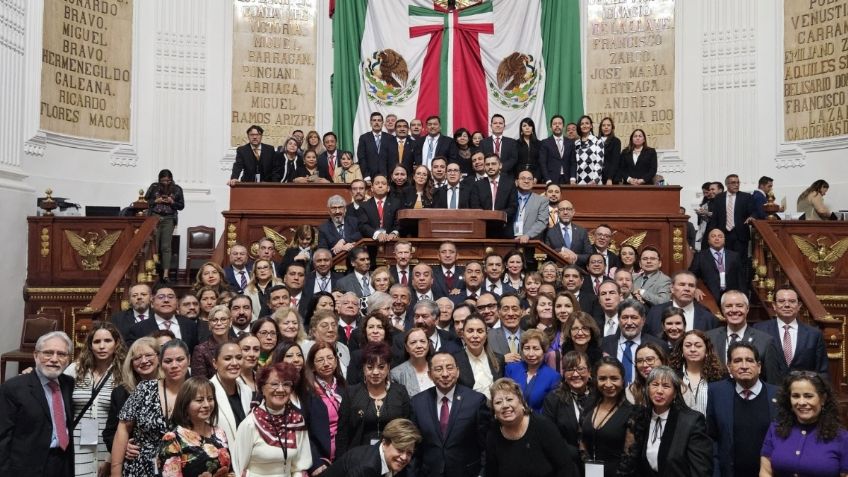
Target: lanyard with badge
pixel 89 431
pixel 593 466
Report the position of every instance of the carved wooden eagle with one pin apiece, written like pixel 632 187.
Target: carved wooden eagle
pixel 512 70
pixel 821 255
pixel 91 248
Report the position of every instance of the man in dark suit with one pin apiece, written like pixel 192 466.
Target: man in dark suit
pixel 139 309
pixel 760 196
pixel 256 162
pixel 422 284
pixel 556 155
pixel 401 150
pixel 734 307
pixel 454 421
pixel 357 198
pixel 330 159
pixel 802 345
pixel 347 310
pixel 36 414
pixel 506 148
pixel 471 286
pixel 603 236
pixel 496 192
pixel 322 277
pixel 622 345
pixel 372 151
pixel 447 275
pixel 237 273
pixel 456 194
pixel 683 286
pixel 377 214
pixel 719 267
pixel 743 397
pixel 434 144
pixel 390 456
pixel 735 227
pixel 568 238
pixel 401 272
pixel 338 233
pixel 295 280
pixel 165 318
pixel 401 317
pixel 572 281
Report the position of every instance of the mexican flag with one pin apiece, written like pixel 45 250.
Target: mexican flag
pixel 462 60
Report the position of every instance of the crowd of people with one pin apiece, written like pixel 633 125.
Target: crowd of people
pixel 278 366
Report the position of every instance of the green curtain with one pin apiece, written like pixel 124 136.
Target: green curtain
pixel 348 26
pixel 561 50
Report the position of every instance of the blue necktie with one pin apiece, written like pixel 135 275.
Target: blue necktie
pixel 454 193
pixel 566 236
pixel 627 361
pixel 377 141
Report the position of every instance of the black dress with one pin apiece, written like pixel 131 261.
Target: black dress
pixel 528 158
pixel 538 453
pixel 359 420
pixel 606 444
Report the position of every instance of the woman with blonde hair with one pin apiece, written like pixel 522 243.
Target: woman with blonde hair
pixel 261 280
pixel 811 201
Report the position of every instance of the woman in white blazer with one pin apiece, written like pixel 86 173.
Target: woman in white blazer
pixel 232 395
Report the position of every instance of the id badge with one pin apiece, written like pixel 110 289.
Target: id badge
pixel 721 279
pixel 88 431
pixel 374 441
pixel 594 468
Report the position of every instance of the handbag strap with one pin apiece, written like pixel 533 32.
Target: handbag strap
pixel 94 394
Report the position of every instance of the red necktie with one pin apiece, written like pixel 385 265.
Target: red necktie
pixel 380 211
pixel 348 331
pixel 449 279
pixel 498 145
pixel 294 302
pixel 331 164
pixel 403 277
pixel 59 424
pixel 597 284
pixel 444 412
pixel 494 193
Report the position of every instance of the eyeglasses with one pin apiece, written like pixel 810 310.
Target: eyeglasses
pixel 266 333
pixel 578 369
pixel 143 357
pixel 650 361
pixel 57 354
pixel 487 306
pixel 284 385
pixel 580 329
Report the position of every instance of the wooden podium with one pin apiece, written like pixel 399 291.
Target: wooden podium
pixel 447 223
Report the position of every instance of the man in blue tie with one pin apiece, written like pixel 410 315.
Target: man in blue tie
pixel 623 344
pixel 455 194
pixel 371 152
pixel 568 238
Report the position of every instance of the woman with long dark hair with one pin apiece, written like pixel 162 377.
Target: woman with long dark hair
pixel 612 151
pixel 605 425
pixel 638 164
pixel 811 201
pixel 648 356
pixel 464 148
pixel 165 200
pixel 528 147
pixel 325 385
pixel 478 365
pixel 695 359
pixel 588 153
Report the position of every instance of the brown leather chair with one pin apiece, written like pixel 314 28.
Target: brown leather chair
pixel 34 327
pixel 199 249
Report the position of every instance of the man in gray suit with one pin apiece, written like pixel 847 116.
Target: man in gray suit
pixel 569 239
pixel 358 281
pixel 532 218
pixel 734 307
pixel 506 339
pixel 653 286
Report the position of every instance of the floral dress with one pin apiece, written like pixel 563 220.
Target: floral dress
pixel 186 453
pixel 144 410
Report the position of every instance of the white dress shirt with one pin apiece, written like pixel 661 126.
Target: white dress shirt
pixel 655 439
pixel 175 326
pixel 793 334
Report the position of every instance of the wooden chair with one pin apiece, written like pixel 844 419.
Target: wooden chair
pixel 34 327
pixel 199 249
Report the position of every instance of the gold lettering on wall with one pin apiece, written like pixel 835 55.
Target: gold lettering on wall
pixel 630 67
pixel 86 64
pixel 274 46
pixel 815 69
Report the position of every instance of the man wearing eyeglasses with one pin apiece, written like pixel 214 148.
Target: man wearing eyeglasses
pixel 36 414
pixel 165 317
pixel 568 238
pixel 456 194
pixel 139 309
pixel 623 344
pixel 603 237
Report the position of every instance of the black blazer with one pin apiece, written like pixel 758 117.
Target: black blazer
pixel 445 147
pixel 26 426
pixel 466 374
pixel 528 158
pixel 612 160
pixel 743 209
pixel 124 321
pixel 440 284
pixel 328 234
pixel 773 365
pixel 230 276
pixel 580 243
pixel 685 447
pixel 355 403
pixel 394 158
pixel 188 330
pixel 372 161
pixel 505 200
pixel 448 341
pixel 645 168
pixel 246 167
pixel 459 453
pixel 609 345
pixel 704 320
pixel 810 352
pixel 557 168
pixel 318 427
pixel 369 219
pixel 704 267
pixel 440 197
pixel 288 169
pixel 509 152
pixel 361 461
